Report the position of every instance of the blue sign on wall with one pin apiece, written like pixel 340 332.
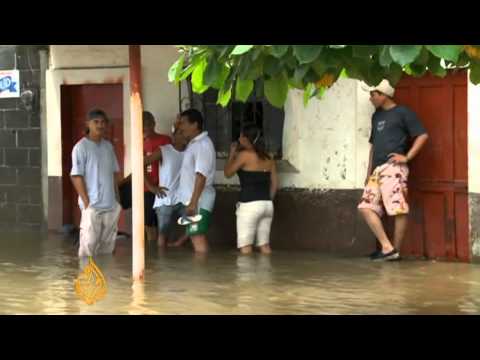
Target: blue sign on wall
pixel 9 84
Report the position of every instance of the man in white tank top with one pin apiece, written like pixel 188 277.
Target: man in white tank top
pixel 167 206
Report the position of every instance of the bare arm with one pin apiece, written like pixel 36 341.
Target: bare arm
pixel 125 180
pixel 235 161
pixel 200 181
pixel 418 144
pixel 157 190
pixel 274 181
pixel 155 156
pixel 369 168
pixel 81 189
pixel 117 179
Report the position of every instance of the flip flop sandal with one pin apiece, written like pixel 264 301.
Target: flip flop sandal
pixel 187 220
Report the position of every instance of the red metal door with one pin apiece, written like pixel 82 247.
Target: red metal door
pixel 77 101
pixel 438 181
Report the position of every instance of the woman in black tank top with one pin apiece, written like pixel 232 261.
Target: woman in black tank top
pixel 258 182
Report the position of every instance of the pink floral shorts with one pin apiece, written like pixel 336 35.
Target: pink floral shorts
pixel 387 190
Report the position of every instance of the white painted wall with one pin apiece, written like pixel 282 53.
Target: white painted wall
pixel 79 56
pixel 159 96
pixel 473 138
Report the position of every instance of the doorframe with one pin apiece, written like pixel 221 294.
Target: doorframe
pixel 473 134
pixel 55 78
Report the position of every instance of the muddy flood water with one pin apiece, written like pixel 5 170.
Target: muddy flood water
pixel 37 274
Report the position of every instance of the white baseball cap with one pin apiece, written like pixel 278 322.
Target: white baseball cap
pixel 384 87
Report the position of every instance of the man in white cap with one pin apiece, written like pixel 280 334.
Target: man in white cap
pixel 393 127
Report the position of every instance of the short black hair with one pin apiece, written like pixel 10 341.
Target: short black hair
pixel 148 118
pixel 193 116
pixel 97 113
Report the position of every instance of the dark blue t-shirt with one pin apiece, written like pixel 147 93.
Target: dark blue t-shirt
pixel 391 131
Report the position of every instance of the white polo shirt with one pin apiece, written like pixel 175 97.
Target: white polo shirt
pixel 97 163
pixel 200 157
pixel 169 175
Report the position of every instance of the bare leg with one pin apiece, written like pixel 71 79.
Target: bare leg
pixel 182 240
pixel 151 233
pixel 401 222
pixel 375 224
pixel 161 241
pixel 246 250
pixel 200 243
pixel 265 249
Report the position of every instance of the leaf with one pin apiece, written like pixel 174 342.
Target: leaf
pixel 195 61
pixel 243 89
pixel 222 78
pixel 198 85
pixel 422 59
pixel 218 48
pixel 176 69
pixel 241 49
pixel 244 66
pixel 417 70
pixel 272 66
pixel 296 84
pixel 375 74
pixel 276 90
pixel 307 94
pixel 224 97
pixel 320 67
pixel 385 58
pixel 291 61
pixel 279 50
pixel 300 73
pixel 256 53
pixel 230 78
pixel 343 74
pixel 405 54
pixel 255 71
pixel 435 67
pixel 447 52
pixel 212 71
pixel 394 74
pixel 320 93
pixel 225 52
pixel 186 72
pixel 307 53
pixel 475 73
pixel 364 51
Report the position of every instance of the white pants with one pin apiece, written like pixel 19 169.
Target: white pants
pixel 98 231
pixel 254 219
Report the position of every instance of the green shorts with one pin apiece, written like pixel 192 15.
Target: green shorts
pixel 200 228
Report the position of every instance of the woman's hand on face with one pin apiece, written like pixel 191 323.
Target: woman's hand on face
pixel 234 147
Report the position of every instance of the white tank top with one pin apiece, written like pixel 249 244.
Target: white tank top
pixel 169 175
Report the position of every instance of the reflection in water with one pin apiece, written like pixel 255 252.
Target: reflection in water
pixel 37 277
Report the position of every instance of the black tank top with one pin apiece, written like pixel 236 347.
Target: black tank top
pixel 255 185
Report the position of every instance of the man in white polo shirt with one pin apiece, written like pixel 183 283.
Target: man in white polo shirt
pixel 95 175
pixel 197 176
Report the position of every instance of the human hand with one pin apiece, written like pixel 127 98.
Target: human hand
pixel 397 158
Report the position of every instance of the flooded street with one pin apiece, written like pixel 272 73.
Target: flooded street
pixel 37 277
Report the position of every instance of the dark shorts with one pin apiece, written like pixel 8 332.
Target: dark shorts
pixel 149 198
pixel 125 192
pixel 150 216
pixel 167 217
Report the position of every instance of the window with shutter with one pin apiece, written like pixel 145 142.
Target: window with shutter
pixel 224 124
